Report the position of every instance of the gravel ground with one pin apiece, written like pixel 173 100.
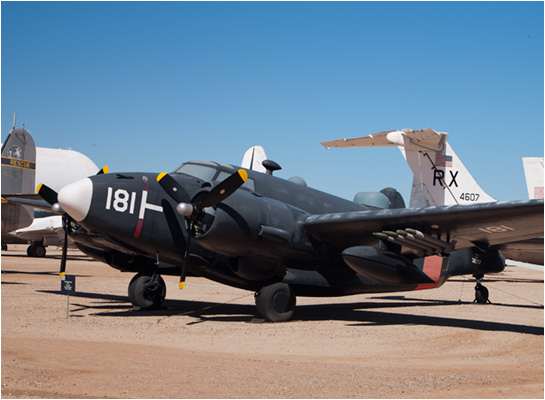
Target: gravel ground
pixel 205 342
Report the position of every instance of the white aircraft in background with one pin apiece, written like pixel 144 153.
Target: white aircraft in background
pixel 440 178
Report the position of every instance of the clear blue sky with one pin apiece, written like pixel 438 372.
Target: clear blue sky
pixel 145 86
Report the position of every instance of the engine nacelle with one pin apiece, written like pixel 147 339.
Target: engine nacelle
pixel 384 266
pixel 258 233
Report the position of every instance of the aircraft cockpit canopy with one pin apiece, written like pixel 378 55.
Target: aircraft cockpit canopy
pixel 209 171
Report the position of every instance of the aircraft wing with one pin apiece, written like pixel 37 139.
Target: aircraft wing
pixel 32 200
pixel 480 225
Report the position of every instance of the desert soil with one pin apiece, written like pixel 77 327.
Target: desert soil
pixel 206 343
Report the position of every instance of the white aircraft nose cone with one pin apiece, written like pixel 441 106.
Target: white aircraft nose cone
pixel 75 198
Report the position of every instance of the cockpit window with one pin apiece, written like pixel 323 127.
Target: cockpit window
pixel 203 172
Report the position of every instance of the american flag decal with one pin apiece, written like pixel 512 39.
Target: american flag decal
pixel 442 160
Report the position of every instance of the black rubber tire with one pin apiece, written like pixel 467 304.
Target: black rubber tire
pixel 276 302
pixel 30 251
pixel 481 294
pixel 35 251
pixel 39 251
pixel 140 297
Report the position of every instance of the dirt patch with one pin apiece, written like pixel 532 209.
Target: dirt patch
pixel 204 343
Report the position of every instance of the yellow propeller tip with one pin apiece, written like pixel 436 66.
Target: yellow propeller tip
pixel 243 174
pixel 182 285
pixel 61 275
pixel 39 188
pixel 105 169
pixel 161 176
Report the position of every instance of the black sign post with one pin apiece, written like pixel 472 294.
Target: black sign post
pixel 68 286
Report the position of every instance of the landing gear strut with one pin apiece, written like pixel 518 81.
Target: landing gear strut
pixel 276 302
pixel 481 292
pixel 147 292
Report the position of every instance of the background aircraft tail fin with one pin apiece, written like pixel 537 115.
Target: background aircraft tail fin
pixel 253 159
pixel 533 170
pixel 19 163
pixel 18 177
pixel 440 176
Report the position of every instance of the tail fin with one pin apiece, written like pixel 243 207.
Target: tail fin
pixel 18 163
pixel 18 177
pixel 440 176
pixel 533 170
pixel 253 159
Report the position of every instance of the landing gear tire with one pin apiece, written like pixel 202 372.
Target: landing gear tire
pixel 276 302
pixel 36 250
pixel 481 294
pixel 147 292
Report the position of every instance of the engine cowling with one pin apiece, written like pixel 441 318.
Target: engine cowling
pixel 257 233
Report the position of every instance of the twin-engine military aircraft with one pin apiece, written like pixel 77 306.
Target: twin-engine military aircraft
pixel 279 238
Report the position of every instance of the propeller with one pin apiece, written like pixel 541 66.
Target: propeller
pixel 51 197
pixel 192 211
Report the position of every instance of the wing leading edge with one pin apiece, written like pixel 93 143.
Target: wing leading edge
pixel 481 225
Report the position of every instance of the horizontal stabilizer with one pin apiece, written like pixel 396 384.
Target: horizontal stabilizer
pixel 423 139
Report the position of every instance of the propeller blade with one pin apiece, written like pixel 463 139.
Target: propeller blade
pixel 223 190
pixel 173 188
pixel 66 221
pixel 47 193
pixel 218 194
pixel 104 170
pixel 186 256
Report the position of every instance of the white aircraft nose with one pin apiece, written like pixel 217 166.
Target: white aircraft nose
pixel 75 198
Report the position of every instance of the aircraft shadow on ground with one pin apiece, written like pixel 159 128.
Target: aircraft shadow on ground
pixel 51 273
pixel 9 272
pixel 354 314
pixel 74 257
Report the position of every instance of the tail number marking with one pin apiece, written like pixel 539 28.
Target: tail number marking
pixel 469 196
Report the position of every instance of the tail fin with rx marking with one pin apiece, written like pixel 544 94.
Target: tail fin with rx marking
pixel 440 177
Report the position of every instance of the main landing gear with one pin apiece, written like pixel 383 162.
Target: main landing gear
pixel 276 302
pixel 147 291
pixel 36 249
pixel 481 292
